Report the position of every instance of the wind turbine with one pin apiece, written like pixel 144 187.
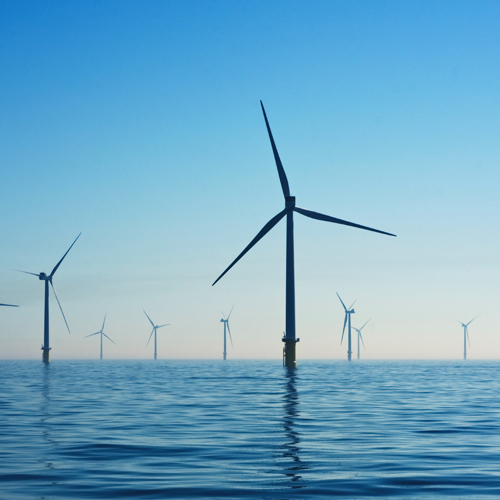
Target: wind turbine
pixel 101 332
pixel 8 305
pixel 348 312
pixel 48 279
pixel 466 334
pixel 155 327
pixel 290 337
pixel 226 323
pixel 359 335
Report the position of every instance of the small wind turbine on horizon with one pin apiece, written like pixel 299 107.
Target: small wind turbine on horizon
pixel 360 336
pixel 290 334
pixel 155 327
pixel 348 311
pixel 48 279
pixel 466 334
pixel 226 323
pixel 101 332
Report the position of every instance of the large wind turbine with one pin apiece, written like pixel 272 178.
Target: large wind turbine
pixel 155 327
pixel 226 323
pixel 290 337
pixel 348 311
pixel 359 335
pixel 466 334
pixel 101 332
pixel 48 279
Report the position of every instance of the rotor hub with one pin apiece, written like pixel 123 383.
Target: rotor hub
pixel 290 202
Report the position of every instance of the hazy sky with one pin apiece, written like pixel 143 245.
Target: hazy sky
pixel 139 124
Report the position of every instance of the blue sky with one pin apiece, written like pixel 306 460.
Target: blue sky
pixel 139 124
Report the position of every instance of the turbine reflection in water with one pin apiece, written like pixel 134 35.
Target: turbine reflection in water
pixel 291 449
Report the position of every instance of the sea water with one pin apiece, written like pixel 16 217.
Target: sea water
pixel 171 429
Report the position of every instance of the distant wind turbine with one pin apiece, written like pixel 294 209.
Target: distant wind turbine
pixel 8 305
pixel 226 323
pixel 348 311
pixel 466 334
pixel 290 337
pixel 48 279
pixel 155 327
pixel 101 332
pixel 360 336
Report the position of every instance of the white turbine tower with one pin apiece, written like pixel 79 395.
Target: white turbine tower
pixel 100 332
pixel 226 324
pixel 360 336
pixel 155 327
pixel 348 312
pixel 466 334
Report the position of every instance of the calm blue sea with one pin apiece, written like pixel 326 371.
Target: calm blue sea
pixel 249 429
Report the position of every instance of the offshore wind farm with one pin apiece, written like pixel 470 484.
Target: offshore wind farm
pixel 141 127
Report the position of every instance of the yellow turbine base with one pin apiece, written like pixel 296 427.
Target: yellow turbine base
pixel 290 354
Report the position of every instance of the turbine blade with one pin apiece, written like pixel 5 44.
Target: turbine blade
pixel 343 329
pixel 327 218
pixel 152 331
pixel 472 320
pixel 91 335
pixel 345 309
pixel 230 338
pixel 107 337
pixel 281 170
pixel 26 272
pixel 103 323
pixel 161 326
pixel 259 236
pixel 149 318
pixel 59 263
pixel 230 312
pixel 364 325
pixel 60 307
pixel 223 315
pixel 8 305
pixel 350 307
pixel 468 338
pixel 361 337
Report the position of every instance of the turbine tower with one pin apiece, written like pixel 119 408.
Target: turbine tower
pixel 48 279
pixel 466 334
pixel 226 324
pixel 348 312
pixel 360 336
pixel 8 305
pixel 101 332
pixel 290 336
pixel 155 327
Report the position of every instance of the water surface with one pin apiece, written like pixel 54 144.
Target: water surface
pixel 249 429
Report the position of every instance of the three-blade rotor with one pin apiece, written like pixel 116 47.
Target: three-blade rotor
pixel 289 206
pixel 155 327
pixel 101 331
pixel 347 311
pixel 44 277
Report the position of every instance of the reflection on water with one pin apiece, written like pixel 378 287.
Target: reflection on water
pixel 291 448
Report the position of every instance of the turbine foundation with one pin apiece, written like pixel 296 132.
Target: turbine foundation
pixel 290 353
pixel 45 355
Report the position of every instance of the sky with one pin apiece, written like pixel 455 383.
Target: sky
pixel 138 123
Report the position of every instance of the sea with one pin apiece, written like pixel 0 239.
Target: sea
pixel 173 429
